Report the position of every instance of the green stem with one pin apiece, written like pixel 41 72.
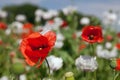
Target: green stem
pixel 17 77
pixel 92 46
pixel 95 78
pixel 115 75
pixel 48 67
pixel 84 74
pixel 93 52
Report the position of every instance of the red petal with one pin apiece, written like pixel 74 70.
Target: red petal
pixel 30 62
pixel 51 36
pixel 23 47
pixel 118 64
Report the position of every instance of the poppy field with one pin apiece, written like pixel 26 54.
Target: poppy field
pixel 59 45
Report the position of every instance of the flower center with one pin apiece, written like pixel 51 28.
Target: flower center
pixel 91 37
pixel 40 47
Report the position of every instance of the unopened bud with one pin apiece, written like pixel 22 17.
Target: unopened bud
pixel 69 76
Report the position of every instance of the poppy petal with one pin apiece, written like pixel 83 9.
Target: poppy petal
pixel 51 36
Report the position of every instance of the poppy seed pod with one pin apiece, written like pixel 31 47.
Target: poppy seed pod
pixel 18 68
pixel 69 76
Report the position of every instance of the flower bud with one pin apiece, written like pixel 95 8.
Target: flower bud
pixel 69 76
pixel 18 68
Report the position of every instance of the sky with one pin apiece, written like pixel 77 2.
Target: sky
pixel 92 7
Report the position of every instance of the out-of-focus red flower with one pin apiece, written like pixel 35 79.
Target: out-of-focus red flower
pixel 27 29
pixel 117 64
pixel 1 41
pixel 118 46
pixel 74 36
pixel 51 21
pixel 27 26
pixel 118 34
pixel 12 54
pixel 109 37
pixel 24 35
pixel 82 46
pixel 36 47
pixel 92 34
pixel 64 24
pixel 3 26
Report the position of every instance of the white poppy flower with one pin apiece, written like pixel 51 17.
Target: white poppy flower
pixel 78 33
pixel 60 37
pixel 59 41
pixel 18 41
pixel 20 17
pixel 27 68
pixel 49 14
pixel 17 27
pixel 54 13
pixel 58 44
pixel 37 19
pixel 118 22
pixel 104 53
pixel 108 45
pixel 3 14
pixel 8 31
pixel 109 17
pixel 58 20
pixel 85 21
pixel 69 10
pixel 39 12
pixel 53 26
pixel 86 63
pixel 4 78
pixel 55 63
pixel 99 47
pixel 23 77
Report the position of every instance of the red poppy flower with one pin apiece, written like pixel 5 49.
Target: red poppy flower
pixel 64 24
pixel 74 36
pixel 27 26
pixel 118 64
pixel 36 47
pixel 27 29
pixel 1 42
pixel 118 34
pixel 82 46
pixel 92 34
pixel 118 46
pixel 51 21
pixel 3 26
pixel 109 37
